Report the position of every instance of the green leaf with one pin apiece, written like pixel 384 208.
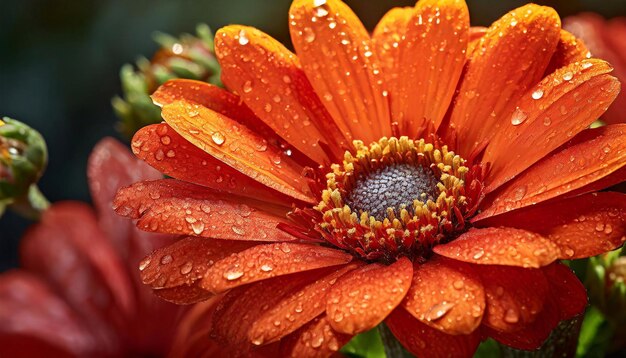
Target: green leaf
pixel 595 335
pixel 488 349
pixel 365 345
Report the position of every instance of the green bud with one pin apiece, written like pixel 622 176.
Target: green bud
pixel 189 56
pixel 23 158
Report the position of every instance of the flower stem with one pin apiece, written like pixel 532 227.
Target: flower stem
pixel 393 348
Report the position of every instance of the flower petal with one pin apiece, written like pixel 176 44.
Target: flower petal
pixel 176 207
pixel 424 341
pixel 111 166
pixel 364 297
pixel 167 151
pixel 185 261
pixel 581 226
pixel 386 38
pixel 447 295
pixel 34 321
pixel 510 58
pixel 183 295
pixel 242 306
pixel 431 56
pixel 548 115
pixel 588 157
pixel 351 85
pixel 316 339
pixel 532 336
pixel 238 147
pixel 299 308
pixel 566 290
pixel 265 261
pixel 271 82
pixel 570 49
pixel 501 246
pixel 80 255
pixel 515 296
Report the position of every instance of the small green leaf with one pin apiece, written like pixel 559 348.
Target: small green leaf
pixel 365 345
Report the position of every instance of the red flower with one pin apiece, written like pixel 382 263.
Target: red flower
pixel 605 39
pixel 78 292
pixel 310 201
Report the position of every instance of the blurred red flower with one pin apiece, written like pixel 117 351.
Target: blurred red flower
pixel 78 292
pixel 605 39
pixel 311 203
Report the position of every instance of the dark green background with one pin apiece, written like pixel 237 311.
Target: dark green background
pixel 59 63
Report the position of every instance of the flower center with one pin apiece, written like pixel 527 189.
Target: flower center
pixel 397 197
pixel 395 186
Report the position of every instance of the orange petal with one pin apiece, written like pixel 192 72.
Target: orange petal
pixel 510 58
pixel 34 321
pixel 447 295
pixel 300 308
pixel 548 115
pixel 570 49
pixel 241 307
pixel 271 82
pixel 237 146
pixel 339 60
pixel 183 295
pixel 386 39
pixel 581 226
pixel 316 339
pixel 590 156
pixel 164 149
pixel 110 167
pixel 176 207
pixel 531 336
pixel 364 297
pixel 566 290
pixel 515 296
pixel 185 261
pixel 501 246
pixel 424 341
pixel 431 56
pixel 265 261
pixel 68 248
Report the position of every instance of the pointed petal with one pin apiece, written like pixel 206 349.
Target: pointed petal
pixel 515 296
pixel 425 341
pixel 570 100
pixel 386 39
pixel 351 85
pixel 238 147
pixel 447 295
pixel 184 294
pixel 581 226
pixel 364 297
pixel 507 61
pixel 34 321
pixel 160 146
pixel 299 308
pixel 566 290
pixel 271 82
pixel 176 207
pixel 590 156
pixel 531 336
pixel 185 261
pixel 242 306
pixel 431 56
pixel 111 166
pixel 316 339
pixel 80 256
pixel 501 246
pixel 265 261
pixel 570 49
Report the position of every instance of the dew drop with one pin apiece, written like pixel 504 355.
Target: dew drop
pixel 537 94
pixel 243 39
pixel 166 140
pixel 144 263
pixel 568 76
pixel 547 121
pixel 520 192
pixel 266 268
pixel 511 316
pixel 237 230
pixel 166 259
pixel 480 253
pixel 309 35
pixel 218 138
pixel 587 65
pixel 458 284
pixel 247 87
pixel 233 273
pixel 197 227
pixel 518 117
pixel 439 310
pixel 186 268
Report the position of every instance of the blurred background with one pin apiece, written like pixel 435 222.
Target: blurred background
pixel 60 61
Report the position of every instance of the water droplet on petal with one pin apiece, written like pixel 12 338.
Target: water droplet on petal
pixel 233 273
pixel 243 39
pixel 166 259
pixel 568 76
pixel 186 268
pixel 511 316
pixel 537 94
pixel 518 117
pixel 309 35
pixel 266 268
pixel 218 138
pixel 439 310
pixel 144 263
pixel 197 227
pixel 247 87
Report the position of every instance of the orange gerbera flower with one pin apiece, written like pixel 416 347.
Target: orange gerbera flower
pixel 429 175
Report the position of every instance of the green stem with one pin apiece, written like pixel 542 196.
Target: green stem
pixel 393 348
pixel 32 205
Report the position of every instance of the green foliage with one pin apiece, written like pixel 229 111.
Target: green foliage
pixel 365 345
